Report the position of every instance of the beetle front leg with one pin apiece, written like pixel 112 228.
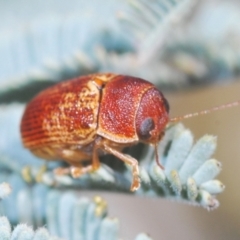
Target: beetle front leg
pixel 129 160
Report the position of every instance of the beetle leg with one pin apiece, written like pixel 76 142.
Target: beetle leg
pixel 73 170
pixel 95 159
pixel 62 171
pixel 76 169
pixel 129 160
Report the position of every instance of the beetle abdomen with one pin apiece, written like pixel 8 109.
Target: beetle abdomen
pixel 63 114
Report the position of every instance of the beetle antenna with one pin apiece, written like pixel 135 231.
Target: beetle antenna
pixel 157 157
pixel 190 115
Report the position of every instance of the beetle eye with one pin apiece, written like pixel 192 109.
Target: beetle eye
pixel 166 104
pixel 146 126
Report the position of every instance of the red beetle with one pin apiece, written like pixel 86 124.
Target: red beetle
pixel 80 119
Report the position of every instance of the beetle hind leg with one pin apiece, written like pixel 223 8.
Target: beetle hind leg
pixel 129 160
pixel 77 169
pixel 80 170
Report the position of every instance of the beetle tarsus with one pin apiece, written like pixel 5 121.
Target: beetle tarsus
pixel 136 182
pixel 76 172
pixel 61 171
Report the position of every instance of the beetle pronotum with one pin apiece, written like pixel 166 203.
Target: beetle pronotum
pixel 85 117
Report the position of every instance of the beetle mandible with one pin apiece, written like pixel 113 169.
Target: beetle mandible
pixel 80 119
pixel 85 117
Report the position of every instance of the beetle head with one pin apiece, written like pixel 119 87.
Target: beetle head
pixel 152 116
